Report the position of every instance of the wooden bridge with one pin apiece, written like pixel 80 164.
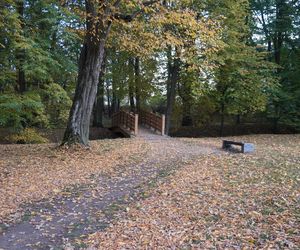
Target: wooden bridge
pixel 128 123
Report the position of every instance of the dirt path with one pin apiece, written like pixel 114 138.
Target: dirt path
pixel 82 210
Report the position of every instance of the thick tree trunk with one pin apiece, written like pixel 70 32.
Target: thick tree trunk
pixel 91 58
pixel 89 67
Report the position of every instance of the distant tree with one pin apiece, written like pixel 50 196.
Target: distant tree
pixel 243 75
pixel 276 27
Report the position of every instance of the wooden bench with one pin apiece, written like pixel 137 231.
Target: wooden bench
pixel 245 147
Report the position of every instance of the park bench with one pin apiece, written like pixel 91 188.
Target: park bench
pixel 245 147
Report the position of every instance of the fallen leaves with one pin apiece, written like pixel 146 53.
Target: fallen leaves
pixel 29 173
pixel 215 200
pixel 234 201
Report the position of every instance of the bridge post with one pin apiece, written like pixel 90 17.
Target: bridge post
pixel 163 124
pixel 136 124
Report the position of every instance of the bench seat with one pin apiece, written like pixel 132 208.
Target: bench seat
pixel 245 147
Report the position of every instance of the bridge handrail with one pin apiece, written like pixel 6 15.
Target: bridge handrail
pixel 126 119
pixel 153 120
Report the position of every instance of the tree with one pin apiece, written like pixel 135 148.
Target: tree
pixel 99 19
pixel 276 27
pixel 243 74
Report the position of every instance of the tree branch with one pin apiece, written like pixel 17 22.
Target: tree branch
pixel 130 17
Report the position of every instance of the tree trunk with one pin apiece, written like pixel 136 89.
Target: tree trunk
pixel 114 102
pixel 278 43
pixel 173 77
pixel 131 85
pixel 137 84
pixel 108 100
pixel 99 103
pixel 20 53
pixel 184 91
pixel 91 58
pixel 238 119
pixel 222 118
pixel 79 120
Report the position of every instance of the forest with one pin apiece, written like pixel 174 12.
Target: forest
pixel 206 64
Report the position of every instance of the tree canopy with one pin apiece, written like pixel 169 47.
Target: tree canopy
pixel 199 62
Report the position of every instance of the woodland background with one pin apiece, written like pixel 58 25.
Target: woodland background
pixel 213 67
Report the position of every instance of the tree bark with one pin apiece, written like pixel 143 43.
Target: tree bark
pixel 222 118
pixel 173 77
pixel 137 84
pixel 131 85
pixel 278 43
pixel 99 103
pixel 184 91
pixel 114 101
pixel 238 119
pixel 91 58
pixel 108 100
pixel 20 53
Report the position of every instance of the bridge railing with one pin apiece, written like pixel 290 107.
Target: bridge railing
pixel 153 120
pixel 127 120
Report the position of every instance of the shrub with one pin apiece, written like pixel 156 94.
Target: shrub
pixel 203 110
pixel 28 135
pixel 57 104
pixel 21 111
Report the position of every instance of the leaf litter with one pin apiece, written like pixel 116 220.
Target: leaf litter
pixel 191 194
pixel 29 173
pixel 220 201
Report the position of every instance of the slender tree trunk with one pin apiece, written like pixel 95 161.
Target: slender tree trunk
pixel 20 53
pixel 238 119
pixel 278 43
pixel 131 85
pixel 91 58
pixel 222 118
pixel 184 91
pixel 137 84
pixel 114 102
pixel 108 101
pixel 173 77
pixel 99 103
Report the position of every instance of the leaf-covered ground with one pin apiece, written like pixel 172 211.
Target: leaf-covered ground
pixel 29 173
pixel 54 202
pixel 151 193
pixel 233 201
